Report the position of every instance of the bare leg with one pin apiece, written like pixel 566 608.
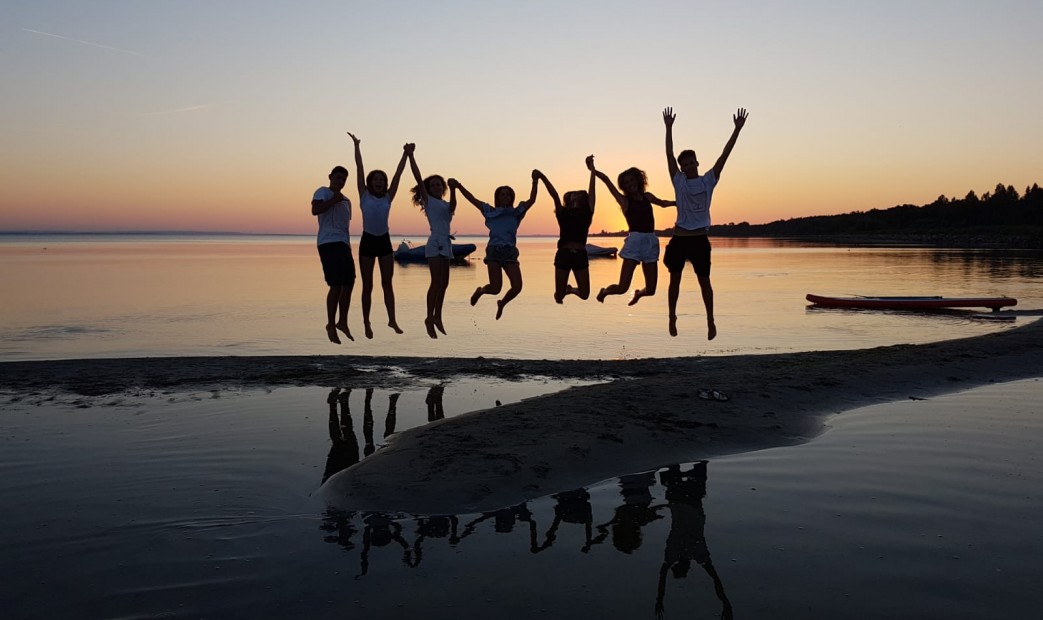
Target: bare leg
pixel 514 275
pixel 626 274
pixel 651 271
pixel 343 302
pixel 673 292
pixel 443 285
pixel 494 285
pixel 332 298
pixel 707 290
pixel 387 272
pixel 432 296
pixel 561 284
pixel 366 267
pixel 582 288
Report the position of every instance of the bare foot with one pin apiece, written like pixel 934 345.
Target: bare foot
pixel 344 328
pixel 438 323
pixel 369 330
pixel 476 295
pixel 601 296
pixel 331 333
pixel 673 326
pixel 393 325
pixel 430 326
pixel 499 308
pixel 711 329
pixel 638 294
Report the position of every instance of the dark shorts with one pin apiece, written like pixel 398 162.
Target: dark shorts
pixel 683 249
pixel 338 266
pixel 375 246
pixel 502 254
pixel 571 260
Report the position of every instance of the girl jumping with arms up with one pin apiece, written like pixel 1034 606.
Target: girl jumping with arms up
pixel 574 219
pixel 501 255
pixel 642 244
pixel 439 250
pixel 375 198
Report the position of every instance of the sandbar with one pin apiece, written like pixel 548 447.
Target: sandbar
pixel 645 414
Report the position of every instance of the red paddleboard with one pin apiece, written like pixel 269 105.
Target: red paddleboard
pixel 912 303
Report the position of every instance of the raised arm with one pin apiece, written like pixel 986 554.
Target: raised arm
pixel 421 191
pixel 393 189
pixel 452 198
pixel 360 171
pixel 652 198
pixel 591 195
pixel 671 161
pixel 535 186
pixel 740 120
pixel 550 188
pixel 620 198
pixel 454 184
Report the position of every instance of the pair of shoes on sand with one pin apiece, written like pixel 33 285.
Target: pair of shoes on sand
pixel 708 394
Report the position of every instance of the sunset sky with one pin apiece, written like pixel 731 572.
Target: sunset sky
pixel 226 116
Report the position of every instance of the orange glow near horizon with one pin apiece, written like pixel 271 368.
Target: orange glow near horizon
pixel 216 129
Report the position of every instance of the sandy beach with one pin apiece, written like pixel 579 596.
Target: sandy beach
pixel 646 414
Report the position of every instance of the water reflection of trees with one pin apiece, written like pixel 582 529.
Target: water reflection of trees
pixel 682 487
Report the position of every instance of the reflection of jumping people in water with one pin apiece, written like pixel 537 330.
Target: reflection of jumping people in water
pixel 571 507
pixel 434 527
pixel 381 530
pixel 392 416
pixel 367 423
pixel 504 520
pixel 434 403
pixel 632 515
pixel 344 452
pixel 687 540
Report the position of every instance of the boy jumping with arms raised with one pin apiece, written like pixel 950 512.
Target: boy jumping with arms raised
pixel 690 242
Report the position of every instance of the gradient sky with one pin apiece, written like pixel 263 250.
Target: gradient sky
pixel 225 116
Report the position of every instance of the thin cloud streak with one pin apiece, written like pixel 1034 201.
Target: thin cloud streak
pixel 177 111
pixel 104 47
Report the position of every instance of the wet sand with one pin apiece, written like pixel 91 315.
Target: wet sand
pixel 647 414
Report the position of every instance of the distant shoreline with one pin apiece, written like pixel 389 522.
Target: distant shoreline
pixel 979 239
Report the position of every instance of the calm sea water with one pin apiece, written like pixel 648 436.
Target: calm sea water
pixel 111 296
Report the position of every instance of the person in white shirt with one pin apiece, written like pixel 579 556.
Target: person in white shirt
pixel 338 266
pixel 439 250
pixel 690 242
pixel 375 196
pixel 501 255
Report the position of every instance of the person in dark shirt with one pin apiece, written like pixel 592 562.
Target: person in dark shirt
pixel 574 217
pixel 642 245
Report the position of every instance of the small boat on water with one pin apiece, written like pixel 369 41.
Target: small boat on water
pixel 597 251
pixel 911 303
pixel 408 253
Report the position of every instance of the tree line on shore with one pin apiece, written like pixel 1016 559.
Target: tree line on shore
pixel 1000 218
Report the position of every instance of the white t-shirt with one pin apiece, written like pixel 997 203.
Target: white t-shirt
pixel 438 216
pixel 375 212
pixel 333 223
pixel 693 199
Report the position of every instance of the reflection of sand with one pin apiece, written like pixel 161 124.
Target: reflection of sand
pixel 648 418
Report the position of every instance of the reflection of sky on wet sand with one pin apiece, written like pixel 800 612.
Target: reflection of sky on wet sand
pixel 201 504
